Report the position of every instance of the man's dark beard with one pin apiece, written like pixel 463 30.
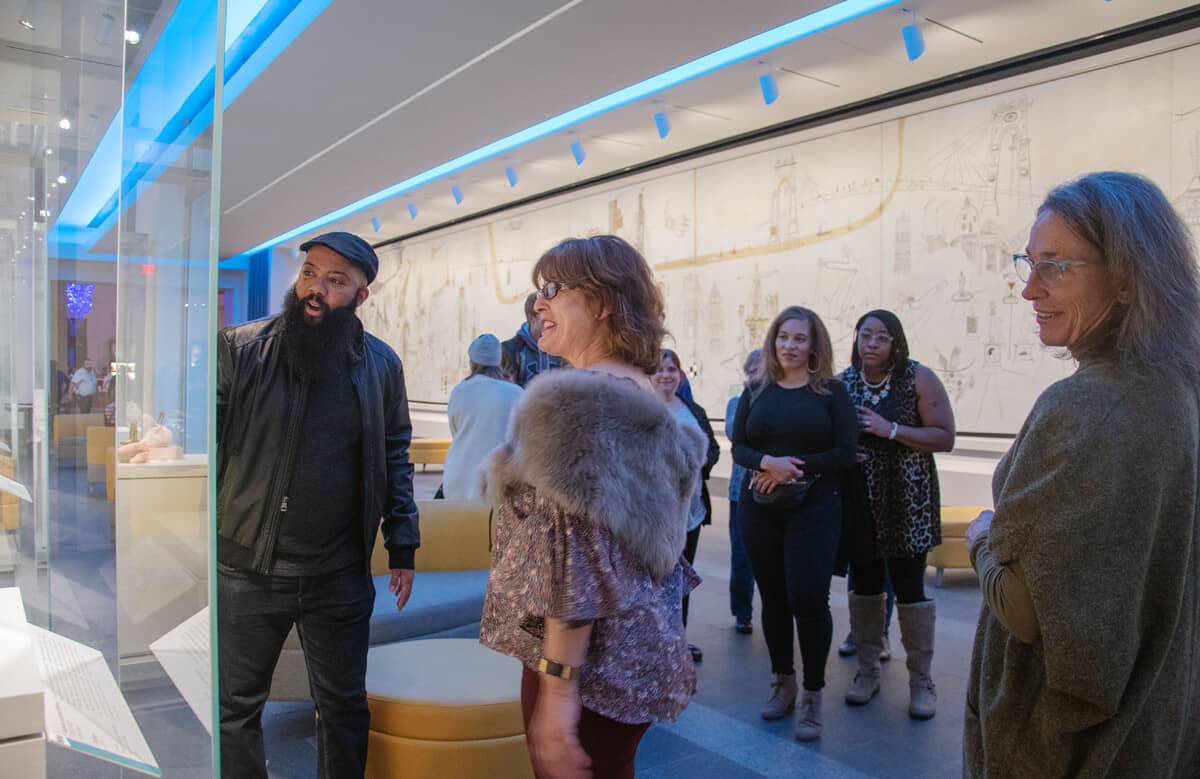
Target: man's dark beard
pixel 314 351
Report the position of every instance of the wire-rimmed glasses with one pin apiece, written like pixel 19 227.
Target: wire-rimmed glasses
pixel 1050 271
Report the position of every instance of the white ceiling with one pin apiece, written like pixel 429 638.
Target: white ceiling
pixel 376 91
pixel 354 73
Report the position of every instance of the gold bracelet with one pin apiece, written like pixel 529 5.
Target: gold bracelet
pixel 555 668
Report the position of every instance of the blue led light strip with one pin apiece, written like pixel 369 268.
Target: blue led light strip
pixel 838 13
pixel 169 104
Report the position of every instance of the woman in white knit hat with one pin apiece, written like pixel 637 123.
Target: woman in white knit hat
pixel 479 408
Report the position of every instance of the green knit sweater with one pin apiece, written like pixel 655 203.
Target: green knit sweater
pixel 1098 500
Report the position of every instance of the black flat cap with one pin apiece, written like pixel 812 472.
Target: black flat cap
pixel 350 246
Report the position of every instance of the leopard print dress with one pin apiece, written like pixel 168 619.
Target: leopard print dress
pixel 902 483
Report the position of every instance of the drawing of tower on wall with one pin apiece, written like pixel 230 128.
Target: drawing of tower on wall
pixel 616 217
pixel 902 254
pixel 785 214
pixel 636 234
pixel 994 345
pixel 691 312
pixel 996 256
pixel 762 309
pixel 1009 168
pixel 676 224
pixel 715 322
pixel 967 226
pixel 462 315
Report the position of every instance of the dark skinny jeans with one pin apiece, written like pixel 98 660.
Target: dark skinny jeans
pixel 792 552
pixel 332 614
pixel 907 575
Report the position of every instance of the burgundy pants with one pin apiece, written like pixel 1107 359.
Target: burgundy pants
pixel 610 744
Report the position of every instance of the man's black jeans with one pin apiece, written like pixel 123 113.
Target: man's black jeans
pixel 332 614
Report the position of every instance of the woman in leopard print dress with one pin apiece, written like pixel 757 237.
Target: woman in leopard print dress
pixel 905 417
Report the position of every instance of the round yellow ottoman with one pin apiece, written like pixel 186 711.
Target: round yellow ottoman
pixel 952 552
pixel 446 707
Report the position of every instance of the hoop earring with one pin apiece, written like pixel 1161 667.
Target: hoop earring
pixel 810 368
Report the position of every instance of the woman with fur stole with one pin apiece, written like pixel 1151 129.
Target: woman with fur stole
pixel 593 490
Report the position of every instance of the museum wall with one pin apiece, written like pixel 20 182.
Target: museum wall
pixel 916 211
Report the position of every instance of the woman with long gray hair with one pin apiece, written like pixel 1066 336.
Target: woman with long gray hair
pixel 1087 654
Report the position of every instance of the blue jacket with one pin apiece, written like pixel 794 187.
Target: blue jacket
pixel 523 359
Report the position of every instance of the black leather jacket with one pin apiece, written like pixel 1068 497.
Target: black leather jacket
pixel 260 406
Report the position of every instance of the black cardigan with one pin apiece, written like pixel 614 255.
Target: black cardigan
pixel 710 459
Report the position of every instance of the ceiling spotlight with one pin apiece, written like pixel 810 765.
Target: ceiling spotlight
pixel 133 37
pixel 511 173
pixel 454 190
pixel 62 179
pixel 64 123
pixel 577 152
pixel 770 90
pixel 30 14
pixel 662 123
pixel 914 41
pixel 49 151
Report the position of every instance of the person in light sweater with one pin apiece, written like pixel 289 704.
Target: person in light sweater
pixel 479 408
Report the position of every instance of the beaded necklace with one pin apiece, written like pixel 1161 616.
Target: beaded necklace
pixel 878 391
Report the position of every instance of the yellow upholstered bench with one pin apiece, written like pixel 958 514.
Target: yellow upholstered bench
pixel 99 438
pixel 110 476
pixel 444 707
pixel 455 536
pixel 448 590
pixel 70 434
pixel 428 451
pixel 952 552
pixel 10 505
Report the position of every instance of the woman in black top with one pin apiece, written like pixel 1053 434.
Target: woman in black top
pixel 796 424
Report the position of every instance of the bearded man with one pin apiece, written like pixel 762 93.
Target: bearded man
pixel 312 452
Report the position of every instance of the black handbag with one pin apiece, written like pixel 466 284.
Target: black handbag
pixel 785 496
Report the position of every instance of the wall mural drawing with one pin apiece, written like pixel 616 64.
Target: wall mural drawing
pixel 919 214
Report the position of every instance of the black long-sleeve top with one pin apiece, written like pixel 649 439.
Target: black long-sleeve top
pixel 714 454
pixel 821 430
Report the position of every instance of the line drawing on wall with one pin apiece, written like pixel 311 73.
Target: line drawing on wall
pixel 918 214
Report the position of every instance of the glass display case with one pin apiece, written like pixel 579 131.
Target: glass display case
pixel 108 268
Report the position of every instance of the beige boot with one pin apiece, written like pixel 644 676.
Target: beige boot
pixel 916 633
pixel 867 613
pixel 783 697
pixel 808 716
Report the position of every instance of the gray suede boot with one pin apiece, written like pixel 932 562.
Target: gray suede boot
pixel 916 632
pixel 867 613
pixel 808 716
pixel 783 697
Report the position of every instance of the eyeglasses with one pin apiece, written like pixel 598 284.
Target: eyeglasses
pixel 1049 271
pixel 867 337
pixel 552 288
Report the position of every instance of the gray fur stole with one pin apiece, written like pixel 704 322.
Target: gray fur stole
pixel 606 450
